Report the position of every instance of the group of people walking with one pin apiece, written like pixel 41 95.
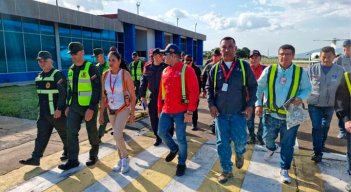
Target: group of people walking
pixel 169 85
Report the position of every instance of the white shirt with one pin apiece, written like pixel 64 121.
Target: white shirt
pixel 115 99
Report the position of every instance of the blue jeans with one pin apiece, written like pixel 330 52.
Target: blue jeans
pixel 165 123
pixel 230 128
pixel 348 153
pixel 251 126
pixel 321 118
pixel 271 128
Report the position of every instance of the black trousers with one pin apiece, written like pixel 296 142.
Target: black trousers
pixel 45 126
pixel 153 114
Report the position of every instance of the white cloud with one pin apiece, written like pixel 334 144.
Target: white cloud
pixel 176 12
pixel 252 21
pixel 218 22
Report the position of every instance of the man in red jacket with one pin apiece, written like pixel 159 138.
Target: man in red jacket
pixel 177 100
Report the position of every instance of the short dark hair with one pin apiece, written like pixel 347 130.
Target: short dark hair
pixel 227 39
pixel 328 49
pixel 115 53
pixel 287 46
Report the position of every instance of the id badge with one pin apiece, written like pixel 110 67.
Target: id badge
pixel 225 87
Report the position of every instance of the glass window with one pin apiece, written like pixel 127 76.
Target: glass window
pixel 96 44
pixel 66 61
pixel 112 36
pixel 15 52
pixel 96 34
pixel 76 31
pixel 3 67
pixel 120 37
pixel 107 44
pixel 1 22
pixel 49 44
pixel 64 30
pixel 12 23
pixel 77 40
pixel 121 49
pixel 86 33
pixel 88 46
pixel 32 47
pixel 30 25
pixel 47 28
pixel 105 35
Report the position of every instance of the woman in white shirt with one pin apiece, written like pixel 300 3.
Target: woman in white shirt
pixel 118 96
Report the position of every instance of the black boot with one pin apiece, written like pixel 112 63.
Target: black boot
pixel 180 170
pixel 91 161
pixel 30 161
pixel 69 165
pixel 171 156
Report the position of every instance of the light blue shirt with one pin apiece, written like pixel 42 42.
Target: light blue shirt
pixel 281 88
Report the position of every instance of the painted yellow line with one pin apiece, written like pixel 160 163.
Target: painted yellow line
pixel 161 173
pixel 307 175
pixel 27 172
pixel 210 182
pixel 86 177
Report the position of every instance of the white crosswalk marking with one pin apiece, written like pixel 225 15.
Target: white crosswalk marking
pixel 117 181
pixel 197 169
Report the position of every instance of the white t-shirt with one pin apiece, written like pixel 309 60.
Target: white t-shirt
pixel 228 64
pixel 115 100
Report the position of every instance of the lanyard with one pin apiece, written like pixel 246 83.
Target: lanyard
pixel 226 76
pixel 114 83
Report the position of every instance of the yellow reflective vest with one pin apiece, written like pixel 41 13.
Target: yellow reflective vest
pixel 50 88
pixel 138 71
pixel 84 85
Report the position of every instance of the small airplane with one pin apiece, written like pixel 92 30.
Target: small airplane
pixel 333 41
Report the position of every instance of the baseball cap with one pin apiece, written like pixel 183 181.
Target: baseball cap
pixel 156 51
pixel 75 47
pixel 44 55
pixel 134 54
pixel 347 43
pixel 255 52
pixel 171 48
pixel 97 52
pixel 216 52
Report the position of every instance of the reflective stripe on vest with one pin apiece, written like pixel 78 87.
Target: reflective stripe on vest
pixel 184 100
pixel 139 72
pixel 49 92
pixel 216 71
pixel 84 85
pixel 348 83
pixel 272 74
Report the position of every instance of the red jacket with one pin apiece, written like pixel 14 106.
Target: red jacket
pixel 171 77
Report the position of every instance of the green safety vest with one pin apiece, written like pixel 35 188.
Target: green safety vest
pixel 49 90
pixel 106 67
pixel 294 87
pixel 84 85
pixel 184 100
pixel 139 71
pixel 348 83
pixel 216 71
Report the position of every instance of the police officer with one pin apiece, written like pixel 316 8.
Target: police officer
pixel 136 69
pixel 102 66
pixel 83 98
pixel 150 83
pixel 52 91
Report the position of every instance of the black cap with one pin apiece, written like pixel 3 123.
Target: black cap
pixel 156 51
pixel 75 47
pixel 44 55
pixel 171 48
pixel 134 54
pixel 216 51
pixel 255 52
pixel 97 51
pixel 347 43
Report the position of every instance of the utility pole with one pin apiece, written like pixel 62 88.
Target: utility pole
pixel 177 21
pixel 138 5
pixel 195 26
pixel 78 6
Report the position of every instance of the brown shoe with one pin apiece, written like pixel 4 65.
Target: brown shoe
pixel 223 178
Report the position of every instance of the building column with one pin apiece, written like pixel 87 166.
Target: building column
pixel 159 39
pixel 176 40
pixel 189 46
pixel 199 52
pixel 58 50
pixel 129 41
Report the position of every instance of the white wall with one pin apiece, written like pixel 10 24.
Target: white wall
pixel 150 41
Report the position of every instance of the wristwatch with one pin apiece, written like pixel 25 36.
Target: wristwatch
pixel 189 112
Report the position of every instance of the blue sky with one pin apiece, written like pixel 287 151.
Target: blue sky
pixel 256 24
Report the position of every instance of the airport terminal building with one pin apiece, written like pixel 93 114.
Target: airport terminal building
pixel 28 26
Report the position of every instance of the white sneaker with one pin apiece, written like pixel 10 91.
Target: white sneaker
pixel 269 154
pixel 118 166
pixel 284 176
pixel 125 165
